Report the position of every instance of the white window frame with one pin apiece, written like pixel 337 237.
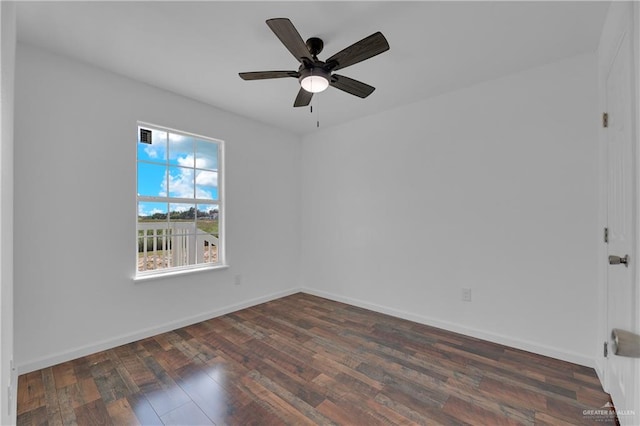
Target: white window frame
pixel 221 257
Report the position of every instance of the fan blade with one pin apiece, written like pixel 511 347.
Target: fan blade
pixel 351 86
pixel 303 98
pixel 289 36
pixel 366 48
pixel 262 75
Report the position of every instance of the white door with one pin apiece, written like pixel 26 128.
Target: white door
pixel 621 212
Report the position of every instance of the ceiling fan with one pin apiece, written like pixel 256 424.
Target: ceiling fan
pixel 315 75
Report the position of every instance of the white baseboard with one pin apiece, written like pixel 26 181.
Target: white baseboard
pixel 102 345
pixel 457 328
pixel 85 350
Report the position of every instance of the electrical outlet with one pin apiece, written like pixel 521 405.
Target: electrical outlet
pixel 237 280
pixel 466 295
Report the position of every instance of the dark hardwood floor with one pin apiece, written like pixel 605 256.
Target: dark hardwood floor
pixel 307 360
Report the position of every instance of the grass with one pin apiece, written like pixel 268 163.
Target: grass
pixel 210 226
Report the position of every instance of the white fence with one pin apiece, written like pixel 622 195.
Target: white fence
pixel 163 245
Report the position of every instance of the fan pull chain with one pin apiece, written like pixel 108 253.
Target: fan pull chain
pixel 317 112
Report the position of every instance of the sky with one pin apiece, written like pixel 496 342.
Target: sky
pixel 191 165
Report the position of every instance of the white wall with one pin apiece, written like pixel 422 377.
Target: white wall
pixel 75 211
pixel 7 60
pixel 493 187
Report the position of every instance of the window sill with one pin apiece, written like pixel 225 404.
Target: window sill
pixel 171 274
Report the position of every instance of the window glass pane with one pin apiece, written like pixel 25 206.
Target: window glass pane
pixel 183 217
pixel 181 184
pixel 183 229
pixel 152 212
pixel 206 155
pixel 153 236
pixel 156 150
pixel 180 175
pixel 207 234
pixel 208 218
pixel 152 180
pixel 181 150
pixel 206 185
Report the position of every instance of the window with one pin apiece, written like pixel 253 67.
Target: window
pixel 180 222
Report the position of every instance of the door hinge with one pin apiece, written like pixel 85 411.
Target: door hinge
pixel 605 119
pixel 606 235
pixel 606 349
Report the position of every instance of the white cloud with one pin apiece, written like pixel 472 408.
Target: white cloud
pixel 206 178
pixel 144 209
pixel 151 151
pixel 180 147
pixel 205 163
pixel 186 161
pixel 203 193
pixel 180 207
pixel 181 183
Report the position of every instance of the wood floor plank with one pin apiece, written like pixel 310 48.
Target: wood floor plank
pixel 273 403
pixel 64 375
pixel 337 414
pixel 94 413
pixel 204 352
pixel 71 395
pixel 514 395
pixel 228 374
pixel 111 386
pixel 164 395
pixel 415 416
pixel 138 371
pixel 214 401
pixel 386 414
pixel 121 413
pixel 568 411
pixel 303 359
pixel 144 412
pixel 81 368
pixel 337 368
pixel 51 398
pixel 472 413
pixel 67 410
pixel 124 374
pixel 254 414
pixel 187 414
pixel 30 392
pixel 592 398
pixel 299 404
pixel 545 419
pixel 296 385
pixel 35 417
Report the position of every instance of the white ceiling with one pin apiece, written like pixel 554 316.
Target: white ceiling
pixel 197 48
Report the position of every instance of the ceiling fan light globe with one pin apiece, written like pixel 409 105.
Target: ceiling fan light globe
pixel 314 83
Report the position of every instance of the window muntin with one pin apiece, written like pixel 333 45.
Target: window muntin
pixel 179 201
